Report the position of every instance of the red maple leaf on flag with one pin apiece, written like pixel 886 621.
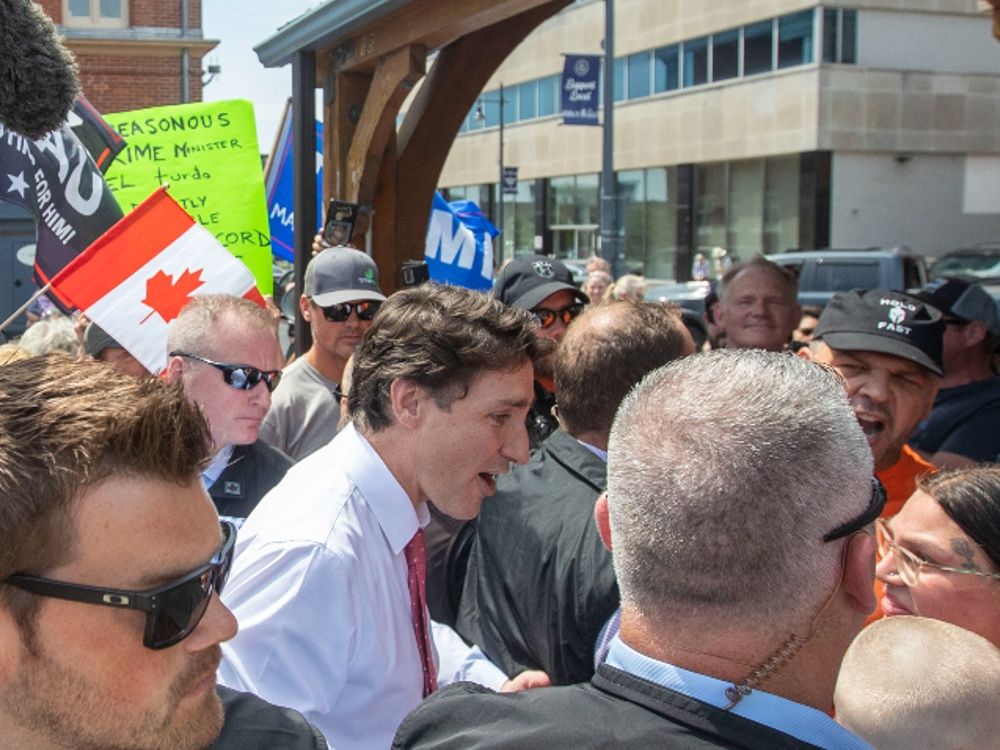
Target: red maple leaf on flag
pixel 166 296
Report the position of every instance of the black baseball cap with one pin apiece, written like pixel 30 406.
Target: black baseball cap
pixel 962 299
pixel 525 282
pixel 885 322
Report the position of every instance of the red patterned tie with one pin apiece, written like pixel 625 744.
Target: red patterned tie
pixel 416 570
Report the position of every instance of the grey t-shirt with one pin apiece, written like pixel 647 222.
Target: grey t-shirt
pixel 304 411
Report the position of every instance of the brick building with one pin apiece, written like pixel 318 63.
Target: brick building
pixel 134 53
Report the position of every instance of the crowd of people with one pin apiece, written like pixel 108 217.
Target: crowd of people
pixel 550 515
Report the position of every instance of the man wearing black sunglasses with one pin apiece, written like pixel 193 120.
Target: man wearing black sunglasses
pixel 543 286
pixel 740 527
pixel 111 561
pixel 224 352
pixel 340 298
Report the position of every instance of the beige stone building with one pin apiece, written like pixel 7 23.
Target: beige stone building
pixel 754 125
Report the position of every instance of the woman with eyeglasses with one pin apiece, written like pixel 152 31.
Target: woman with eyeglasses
pixel 939 556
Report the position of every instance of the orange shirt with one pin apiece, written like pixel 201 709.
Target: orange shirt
pixel 900 482
pixel 900 479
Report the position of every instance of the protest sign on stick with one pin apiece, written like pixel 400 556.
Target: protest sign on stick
pixel 208 155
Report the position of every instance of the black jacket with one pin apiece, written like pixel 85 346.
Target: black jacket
pixel 539 583
pixel 614 710
pixel 251 473
pixel 254 724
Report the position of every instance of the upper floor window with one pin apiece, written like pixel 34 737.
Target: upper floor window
pixel 99 13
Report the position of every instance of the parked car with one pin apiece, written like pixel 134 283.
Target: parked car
pixel 980 264
pixel 688 294
pixel 823 273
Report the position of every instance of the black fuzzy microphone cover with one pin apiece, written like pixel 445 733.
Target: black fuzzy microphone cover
pixel 38 76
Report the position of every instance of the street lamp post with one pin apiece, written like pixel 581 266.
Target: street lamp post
pixel 610 247
pixel 481 116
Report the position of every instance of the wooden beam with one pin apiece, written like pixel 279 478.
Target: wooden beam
pixel 343 115
pixel 393 80
pixel 456 78
pixel 431 23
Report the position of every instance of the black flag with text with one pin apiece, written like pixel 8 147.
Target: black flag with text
pixel 59 178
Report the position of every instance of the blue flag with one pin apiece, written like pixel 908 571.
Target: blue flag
pixel 280 190
pixel 579 89
pixel 459 245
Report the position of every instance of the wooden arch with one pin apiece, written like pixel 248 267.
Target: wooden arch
pixel 367 55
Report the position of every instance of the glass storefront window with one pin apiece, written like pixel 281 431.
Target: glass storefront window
pixel 573 215
pixel 795 39
pixel 638 75
pixel 710 207
pixel 726 55
pixel 745 213
pixel 661 223
pixel 781 204
pixel 619 79
pixel 757 48
pixel 631 215
pixel 666 68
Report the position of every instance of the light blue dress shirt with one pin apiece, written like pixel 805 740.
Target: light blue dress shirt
pixel 802 722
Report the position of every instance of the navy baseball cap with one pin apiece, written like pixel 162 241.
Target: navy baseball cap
pixel 525 282
pixel 885 322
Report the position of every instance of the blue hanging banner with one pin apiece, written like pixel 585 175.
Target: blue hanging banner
pixel 459 245
pixel 579 86
pixel 280 190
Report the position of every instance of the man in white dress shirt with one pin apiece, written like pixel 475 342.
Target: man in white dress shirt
pixel 325 583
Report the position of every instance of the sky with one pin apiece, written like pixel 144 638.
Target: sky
pixel 240 25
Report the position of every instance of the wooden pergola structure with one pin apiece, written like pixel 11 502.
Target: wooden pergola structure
pixel 367 56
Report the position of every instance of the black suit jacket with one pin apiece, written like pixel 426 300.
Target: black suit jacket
pixel 614 710
pixel 251 473
pixel 254 724
pixel 539 584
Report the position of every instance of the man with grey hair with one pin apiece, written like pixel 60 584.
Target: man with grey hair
pixel 742 575
pixel 224 351
pixel 758 306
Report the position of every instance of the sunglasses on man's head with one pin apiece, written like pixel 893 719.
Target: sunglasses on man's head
pixel 240 377
pixel 876 503
pixel 173 610
pixel 546 318
pixel 342 311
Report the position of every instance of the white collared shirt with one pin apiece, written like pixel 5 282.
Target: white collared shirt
pixel 319 587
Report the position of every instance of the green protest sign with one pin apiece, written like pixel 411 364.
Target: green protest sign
pixel 207 153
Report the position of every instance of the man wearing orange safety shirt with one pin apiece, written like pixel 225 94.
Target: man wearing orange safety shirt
pixel 887 346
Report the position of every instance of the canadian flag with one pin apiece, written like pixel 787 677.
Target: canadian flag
pixel 135 278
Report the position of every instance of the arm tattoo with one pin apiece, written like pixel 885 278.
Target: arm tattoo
pixel 964 549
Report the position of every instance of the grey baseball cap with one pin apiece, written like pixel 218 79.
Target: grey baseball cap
pixel 96 340
pixel 342 274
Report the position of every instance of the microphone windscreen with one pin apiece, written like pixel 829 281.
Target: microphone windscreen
pixel 38 75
